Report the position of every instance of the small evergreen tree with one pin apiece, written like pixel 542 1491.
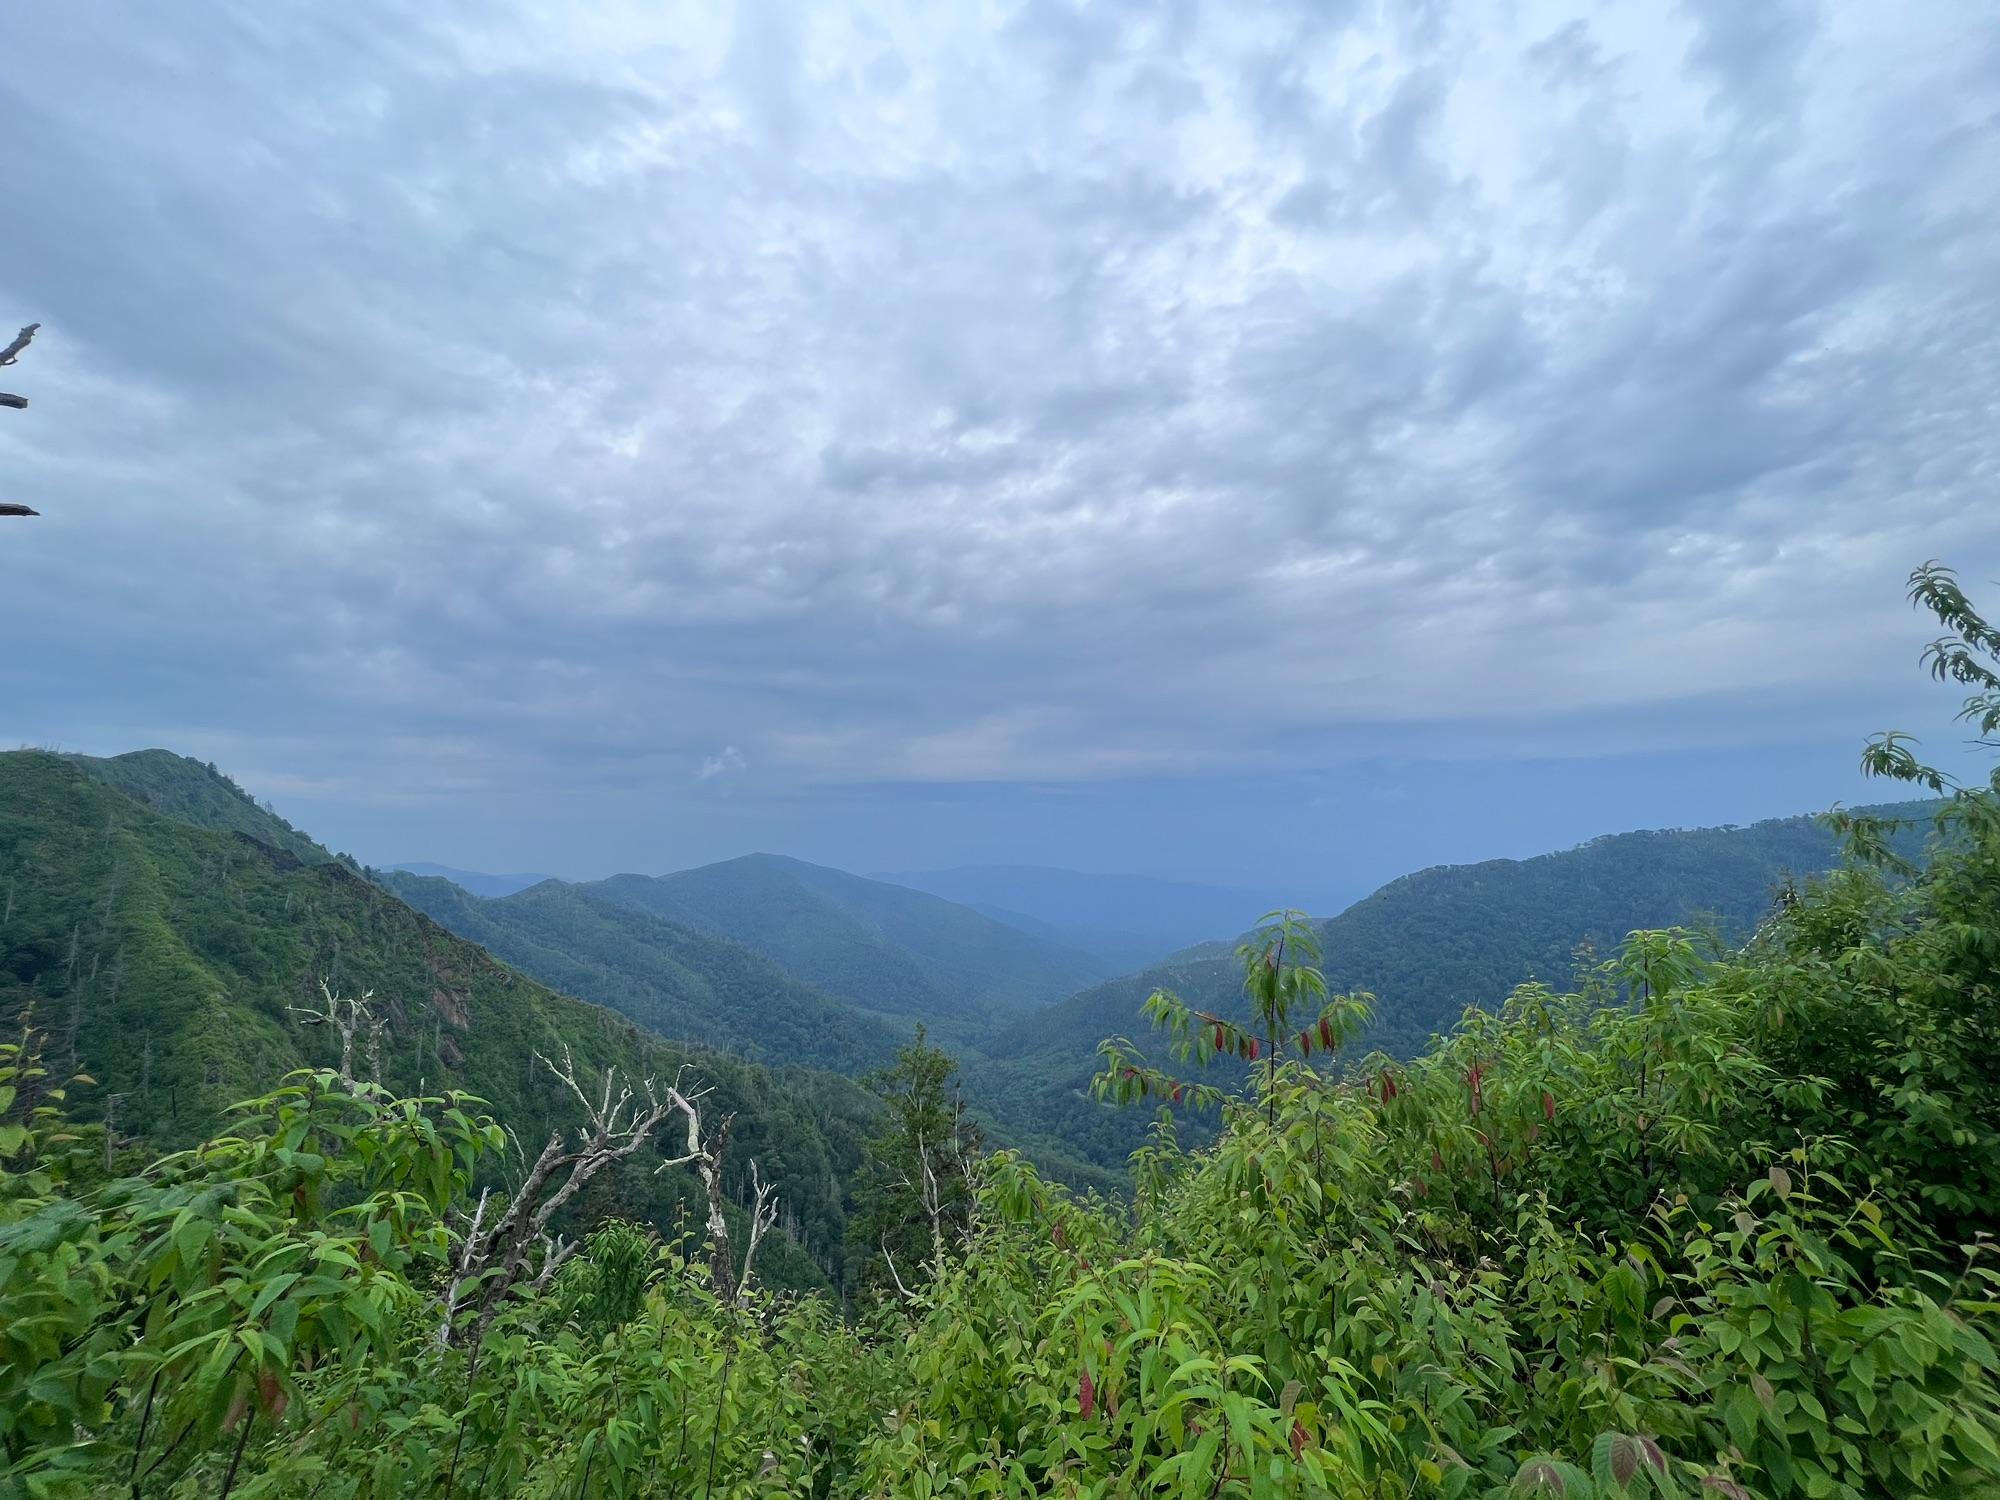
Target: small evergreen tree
pixel 913 1204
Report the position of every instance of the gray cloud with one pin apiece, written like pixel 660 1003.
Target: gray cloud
pixel 463 401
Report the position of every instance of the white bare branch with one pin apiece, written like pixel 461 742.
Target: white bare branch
pixel 619 1120
pixel 763 1214
pixel 894 1274
pixel 349 1018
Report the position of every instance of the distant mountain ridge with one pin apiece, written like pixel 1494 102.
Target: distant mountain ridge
pixel 680 981
pixel 1125 921
pixel 882 947
pixel 475 881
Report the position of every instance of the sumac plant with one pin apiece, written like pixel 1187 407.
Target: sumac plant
pixel 1288 1016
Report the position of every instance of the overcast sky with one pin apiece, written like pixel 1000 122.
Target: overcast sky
pixel 1290 444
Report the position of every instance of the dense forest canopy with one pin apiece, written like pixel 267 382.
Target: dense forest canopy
pixel 1700 1223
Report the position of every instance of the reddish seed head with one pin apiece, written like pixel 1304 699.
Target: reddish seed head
pixel 1305 1041
pixel 1437 1159
pixel 1218 1036
pixel 1388 1086
pixel 1325 1033
pixel 1548 1104
pixel 1256 1049
pixel 1177 1093
pixel 1298 1439
pixel 1086 1394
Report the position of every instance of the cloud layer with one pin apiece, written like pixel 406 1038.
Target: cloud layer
pixel 446 405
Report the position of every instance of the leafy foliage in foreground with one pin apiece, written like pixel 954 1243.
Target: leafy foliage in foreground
pixel 1694 1230
pixel 1699 1228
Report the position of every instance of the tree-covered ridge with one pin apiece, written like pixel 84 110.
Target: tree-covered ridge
pixel 683 983
pixel 179 787
pixel 882 947
pixel 690 985
pixel 165 961
pixel 1432 943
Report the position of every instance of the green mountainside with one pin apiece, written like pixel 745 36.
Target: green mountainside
pixel 180 787
pixel 163 959
pixel 882 947
pixel 1428 945
pixel 675 980
pixel 691 985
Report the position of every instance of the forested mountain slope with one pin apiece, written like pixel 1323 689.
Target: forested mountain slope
pixel 1430 944
pixel 163 960
pixel 182 788
pixel 882 947
pixel 691 985
pixel 678 981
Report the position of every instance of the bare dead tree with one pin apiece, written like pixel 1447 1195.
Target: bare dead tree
pixel 349 1018
pixel 933 1200
pixel 707 1158
pixel 496 1258
pixel 763 1214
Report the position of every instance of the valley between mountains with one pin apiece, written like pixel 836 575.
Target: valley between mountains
pixel 162 926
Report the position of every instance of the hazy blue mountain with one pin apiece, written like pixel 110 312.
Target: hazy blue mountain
pixel 489 886
pixel 1125 921
pixel 883 947
pixel 680 982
